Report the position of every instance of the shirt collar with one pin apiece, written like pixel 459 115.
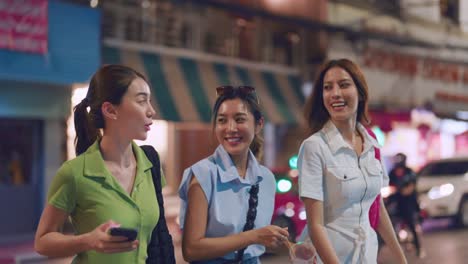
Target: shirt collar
pixel 228 172
pixel 94 165
pixel 335 139
pixel 143 163
pixel 369 141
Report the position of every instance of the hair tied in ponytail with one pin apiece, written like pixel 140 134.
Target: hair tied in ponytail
pixel 85 101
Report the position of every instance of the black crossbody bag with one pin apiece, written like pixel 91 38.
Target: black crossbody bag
pixel 160 248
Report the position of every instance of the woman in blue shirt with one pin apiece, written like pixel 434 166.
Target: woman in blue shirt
pixel 228 197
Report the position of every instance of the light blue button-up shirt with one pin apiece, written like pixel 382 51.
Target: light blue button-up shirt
pixel 330 171
pixel 228 198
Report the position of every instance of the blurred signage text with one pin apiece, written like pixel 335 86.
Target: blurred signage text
pixel 411 65
pixel 23 25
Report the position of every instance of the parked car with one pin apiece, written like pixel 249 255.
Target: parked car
pixel 443 189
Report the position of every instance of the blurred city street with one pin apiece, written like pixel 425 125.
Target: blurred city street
pixel 410 75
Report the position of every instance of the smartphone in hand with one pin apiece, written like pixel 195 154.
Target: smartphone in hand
pixel 129 233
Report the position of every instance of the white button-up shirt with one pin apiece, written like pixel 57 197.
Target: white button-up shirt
pixel 330 171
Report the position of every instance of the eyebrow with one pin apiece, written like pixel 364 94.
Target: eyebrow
pixel 236 114
pixel 342 80
pixel 142 94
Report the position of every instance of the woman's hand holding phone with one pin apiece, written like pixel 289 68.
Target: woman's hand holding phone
pixel 101 240
pixel 130 233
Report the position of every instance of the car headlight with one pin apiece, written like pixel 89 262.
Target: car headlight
pixel 441 191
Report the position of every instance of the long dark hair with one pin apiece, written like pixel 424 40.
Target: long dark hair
pixel 316 114
pixel 250 100
pixel 108 84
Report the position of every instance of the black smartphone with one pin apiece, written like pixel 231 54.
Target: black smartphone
pixel 129 233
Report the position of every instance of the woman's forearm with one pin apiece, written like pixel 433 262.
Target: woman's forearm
pixel 322 244
pixel 56 244
pixel 49 241
pixel 207 247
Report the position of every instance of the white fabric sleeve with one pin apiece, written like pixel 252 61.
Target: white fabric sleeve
pixel 310 171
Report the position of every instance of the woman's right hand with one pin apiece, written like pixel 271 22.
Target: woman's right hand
pixel 101 241
pixel 271 236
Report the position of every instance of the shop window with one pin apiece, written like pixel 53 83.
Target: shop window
pixel 386 7
pixel 449 9
pixel 285 46
pixel 16 150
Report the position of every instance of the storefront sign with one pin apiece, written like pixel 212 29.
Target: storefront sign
pixel 391 61
pixel 413 66
pixel 450 102
pixel 23 25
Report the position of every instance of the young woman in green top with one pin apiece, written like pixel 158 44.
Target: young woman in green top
pixel 109 183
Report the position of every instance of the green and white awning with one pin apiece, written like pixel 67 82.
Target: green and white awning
pixel 184 87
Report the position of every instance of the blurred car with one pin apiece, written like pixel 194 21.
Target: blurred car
pixel 443 189
pixel 289 210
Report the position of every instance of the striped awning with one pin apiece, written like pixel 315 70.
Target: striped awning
pixel 184 86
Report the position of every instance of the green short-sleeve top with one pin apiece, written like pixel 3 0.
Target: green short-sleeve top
pixel 84 188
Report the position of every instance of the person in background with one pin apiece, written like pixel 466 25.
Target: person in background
pixel 228 197
pixel 401 172
pixel 109 184
pixel 339 175
pixel 408 210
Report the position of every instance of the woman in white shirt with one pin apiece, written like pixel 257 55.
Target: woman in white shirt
pixel 339 174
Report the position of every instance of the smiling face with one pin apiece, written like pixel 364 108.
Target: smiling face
pixel 340 95
pixel 135 112
pixel 235 127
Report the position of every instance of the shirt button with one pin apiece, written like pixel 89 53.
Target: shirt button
pixel 345 177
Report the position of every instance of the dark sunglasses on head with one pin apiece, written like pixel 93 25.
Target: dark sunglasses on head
pixel 242 90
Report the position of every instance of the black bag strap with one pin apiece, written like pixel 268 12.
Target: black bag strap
pixel 250 218
pixel 153 156
pixel 249 223
pixel 160 248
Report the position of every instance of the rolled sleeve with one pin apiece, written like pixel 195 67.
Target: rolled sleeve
pixel 62 190
pixel 310 171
